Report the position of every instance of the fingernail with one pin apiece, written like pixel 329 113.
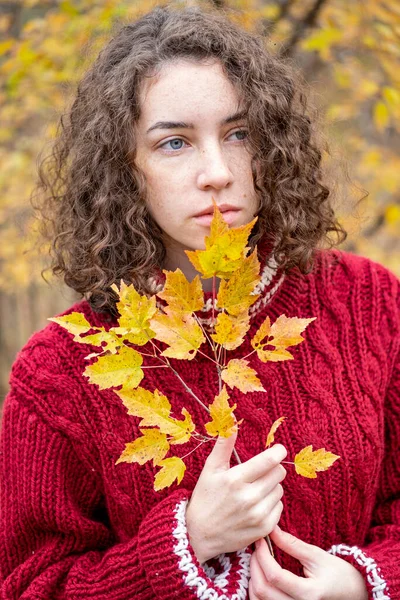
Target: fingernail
pixel 257 543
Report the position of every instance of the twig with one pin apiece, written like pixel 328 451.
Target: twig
pixel 267 539
pixel 300 28
pixel 187 388
pixel 249 354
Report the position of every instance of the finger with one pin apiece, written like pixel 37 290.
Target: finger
pixel 259 588
pixel 307 554
pixel 264 485
pixel 259 465
pixel 285 581
pixel 220 455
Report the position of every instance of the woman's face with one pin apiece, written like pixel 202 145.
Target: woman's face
pixel 190 146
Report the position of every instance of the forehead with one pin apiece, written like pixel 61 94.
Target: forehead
pixel 194 87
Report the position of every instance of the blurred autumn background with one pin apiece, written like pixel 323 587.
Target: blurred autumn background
pixel 348 52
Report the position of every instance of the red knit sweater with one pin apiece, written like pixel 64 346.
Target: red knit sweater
pixel 74 525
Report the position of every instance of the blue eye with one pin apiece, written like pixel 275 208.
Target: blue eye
pixel 242 133
pixel 178 144
pixel 174 144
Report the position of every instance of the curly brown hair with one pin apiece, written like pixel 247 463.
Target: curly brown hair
pixel 92 197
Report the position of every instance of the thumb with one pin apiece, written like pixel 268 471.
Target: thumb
pixel 220 455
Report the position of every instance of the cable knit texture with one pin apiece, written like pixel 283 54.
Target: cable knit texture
pixel 74 525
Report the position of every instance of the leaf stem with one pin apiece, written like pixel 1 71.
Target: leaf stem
pixel 209 358
pixel 213 300
pixel 187 388
pixel 198 446
pixel 249 354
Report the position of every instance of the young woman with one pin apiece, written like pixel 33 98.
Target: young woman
pixel 180 108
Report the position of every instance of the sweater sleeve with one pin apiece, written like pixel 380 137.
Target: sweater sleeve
pixel 55 542
pixel 378 560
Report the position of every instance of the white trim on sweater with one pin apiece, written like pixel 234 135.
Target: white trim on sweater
pixel 191 575
pixel 378 584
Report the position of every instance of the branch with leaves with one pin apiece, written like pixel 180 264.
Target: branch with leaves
pixel 143 322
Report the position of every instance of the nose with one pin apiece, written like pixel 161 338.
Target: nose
pixel 214 171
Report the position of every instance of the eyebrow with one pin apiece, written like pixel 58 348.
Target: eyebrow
pixel 182 125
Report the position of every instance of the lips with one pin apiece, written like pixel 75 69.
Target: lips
pixel 223 208
pixel 230 214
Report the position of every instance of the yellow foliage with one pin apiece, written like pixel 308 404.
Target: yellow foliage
pixel 223 421
pixel 308 462
pixel 135 314
pixel 180 294
pixel 76 323
pixel 155 411
pixel 153 445
pixel 116 369
pixel 230 331
pixel 238 374
pixel 381 115
pixel 225 248
pixel 180 331
pixel 172 469
pixel 236 295
pixel 285 332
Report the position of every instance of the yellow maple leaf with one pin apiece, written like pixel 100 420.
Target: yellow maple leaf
pixel 78 325
pixel 272 431
pixel 223 421
pixel 75 323
pixel 180 294
pixel 135 314
pixel 230 330
pixel 225 248
pixel 116 369
pixel 152 445
pixel 262 332
pixel 180 331
pixel 181 430
pixel 155 409
pixel 283 333
pixel 111 340
pixel 286 331
pixel 238 374
pixel 276 355
pixel 307 463
pixel 172 468
pixel 235 294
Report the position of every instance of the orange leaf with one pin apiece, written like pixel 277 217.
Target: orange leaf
pixel 271 435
